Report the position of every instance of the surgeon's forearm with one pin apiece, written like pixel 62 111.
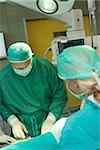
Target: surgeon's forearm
pixel 59 101
pixel 4 111
pixel 57 108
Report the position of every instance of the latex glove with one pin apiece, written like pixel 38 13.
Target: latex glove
pixel 48 123
pixel 6 139
pixel 57 128
pixel 18 128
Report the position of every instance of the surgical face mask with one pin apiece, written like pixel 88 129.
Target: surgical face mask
pixel 24 72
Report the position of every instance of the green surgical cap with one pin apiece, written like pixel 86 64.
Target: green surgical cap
pixel 78 62
pixel 19 52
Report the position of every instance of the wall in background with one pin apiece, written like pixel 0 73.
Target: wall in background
pixel 87 26
pixel 12 22
pixel 40 34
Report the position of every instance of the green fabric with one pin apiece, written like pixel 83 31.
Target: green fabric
pixel 78 62
pixel 31 98
pixel 43 142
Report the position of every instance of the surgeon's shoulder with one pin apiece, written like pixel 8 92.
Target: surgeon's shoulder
pixel 46 63
pixel 5 71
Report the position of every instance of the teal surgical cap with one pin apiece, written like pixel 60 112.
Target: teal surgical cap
pixel 19 52
pixel 78 62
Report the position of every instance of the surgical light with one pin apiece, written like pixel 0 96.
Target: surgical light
pixel 47 6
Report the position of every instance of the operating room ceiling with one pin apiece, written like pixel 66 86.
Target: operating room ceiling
pixel 64 6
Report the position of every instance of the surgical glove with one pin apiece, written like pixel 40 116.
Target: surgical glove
pixel 6 139
pixel 48 123
pixel 18 128
pixel 57 128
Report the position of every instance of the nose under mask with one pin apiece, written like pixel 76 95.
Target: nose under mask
pixel 75 90
pixel 24 72
pixel 82 95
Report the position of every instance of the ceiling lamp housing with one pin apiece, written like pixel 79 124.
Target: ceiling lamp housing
pixel 47 6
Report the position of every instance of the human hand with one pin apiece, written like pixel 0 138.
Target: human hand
pixel 18 128
pixel 48 123
pixel 6 139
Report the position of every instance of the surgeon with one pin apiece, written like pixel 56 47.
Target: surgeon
pixel 5 138
pixel 32 95
pixel 81 65
pixel 81 131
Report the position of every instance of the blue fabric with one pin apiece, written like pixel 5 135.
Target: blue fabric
pixel 44 142
pixel 77 62
pixel 82 130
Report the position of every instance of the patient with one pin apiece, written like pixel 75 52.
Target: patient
pixel 80 66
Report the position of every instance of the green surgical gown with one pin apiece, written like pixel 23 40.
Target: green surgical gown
pixel 31 98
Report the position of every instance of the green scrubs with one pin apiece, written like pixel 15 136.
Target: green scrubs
pixel 31 98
